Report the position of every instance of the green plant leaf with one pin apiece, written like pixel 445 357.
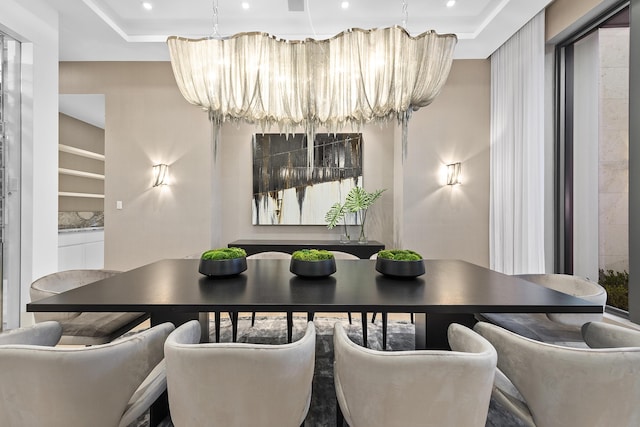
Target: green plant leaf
pixel 359 199
pixel 334 215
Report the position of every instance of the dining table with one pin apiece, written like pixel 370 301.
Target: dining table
pixel 173 290
pixel 450 291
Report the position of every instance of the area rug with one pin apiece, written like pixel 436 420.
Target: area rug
pixel 322 412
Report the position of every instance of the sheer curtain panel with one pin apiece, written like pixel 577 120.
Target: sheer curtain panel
pixel 516 229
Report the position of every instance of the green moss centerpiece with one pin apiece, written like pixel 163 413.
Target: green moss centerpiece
pixel 312 263
pixel 402 263
pixel 223 262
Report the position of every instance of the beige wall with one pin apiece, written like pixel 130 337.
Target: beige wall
pixel 79 134
pixel 147 121
pixel 563 14
pixel 451 221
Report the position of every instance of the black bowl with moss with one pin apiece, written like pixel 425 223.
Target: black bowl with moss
pixel 223 262
pixel 400 263
pixel 312 263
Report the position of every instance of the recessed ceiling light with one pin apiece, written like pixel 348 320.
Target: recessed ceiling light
pixel 451 3
pixel 344 5
pixel 245 5
pixel 147 5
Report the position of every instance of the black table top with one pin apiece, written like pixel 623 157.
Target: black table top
pixel 449 286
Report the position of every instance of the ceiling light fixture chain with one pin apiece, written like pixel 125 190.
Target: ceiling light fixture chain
pixel 215 34
pixel 405 14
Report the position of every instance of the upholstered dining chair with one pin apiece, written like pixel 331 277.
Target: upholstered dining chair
pixel 414 388
pixel 573 285
pixel 554 328
pixel 237 384
pixel 547 385
pixel 45 334
pixel 606 335
pixel 384 316
pixel 270 255
pixel 101 386
pixel 82 328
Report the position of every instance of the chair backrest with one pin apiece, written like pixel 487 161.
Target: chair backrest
pixel 45 333
pixel 270 255
pixel 235 384
pixel 565 386
pixel 62 281
pixel 88 386
pixel 343 255
pixel 426 388
pixel 572 285
pixel 605 335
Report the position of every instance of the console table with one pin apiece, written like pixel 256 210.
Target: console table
pixel 361 250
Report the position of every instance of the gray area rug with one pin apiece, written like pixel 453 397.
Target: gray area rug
pixel 272 330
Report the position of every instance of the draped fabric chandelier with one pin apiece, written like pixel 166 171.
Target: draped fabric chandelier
pixel 356 77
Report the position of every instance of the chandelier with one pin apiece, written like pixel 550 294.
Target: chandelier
pixel 356 77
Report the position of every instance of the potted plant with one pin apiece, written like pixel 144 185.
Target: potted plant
pixel 358 201
pixel 223 262
pixel 312 263
pixel 400 263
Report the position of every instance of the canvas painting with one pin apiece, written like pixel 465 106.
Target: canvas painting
pixel 287 192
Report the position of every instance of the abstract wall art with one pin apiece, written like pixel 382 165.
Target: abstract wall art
pixel 287 192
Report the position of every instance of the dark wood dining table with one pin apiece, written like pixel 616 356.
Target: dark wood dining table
pixel 450 291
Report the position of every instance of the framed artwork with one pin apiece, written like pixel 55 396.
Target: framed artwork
pixel 287 192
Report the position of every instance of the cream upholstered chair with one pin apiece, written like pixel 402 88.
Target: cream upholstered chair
pixel 551 386
pixel 101 386
pixel 343 255
pixel 45 333
pixel 384 316
pixel 414 388
pixel 558 328
pixel 604 335
pixel 82 328
pixel 236 384
pixel 572 285
pixel 270 255
pixel 233 316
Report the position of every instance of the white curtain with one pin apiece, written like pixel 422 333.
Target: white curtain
pixel 516 230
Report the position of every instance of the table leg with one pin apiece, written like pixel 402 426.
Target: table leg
pixel 234 326
pixel 431 329
pixel 159 410
pixel 289 327
pixel 217 326
pixel 384 330
pixel 363 316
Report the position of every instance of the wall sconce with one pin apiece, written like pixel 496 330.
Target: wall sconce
pixel 160 174
pixel 453 173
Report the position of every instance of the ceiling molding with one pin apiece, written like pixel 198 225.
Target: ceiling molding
pixel 481 25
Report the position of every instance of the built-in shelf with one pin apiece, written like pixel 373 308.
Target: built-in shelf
pixel 80 152
pixel 87 195
pixel 74 172
pixel 82 174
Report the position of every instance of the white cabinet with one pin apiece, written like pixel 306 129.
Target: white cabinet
pixel 81 249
